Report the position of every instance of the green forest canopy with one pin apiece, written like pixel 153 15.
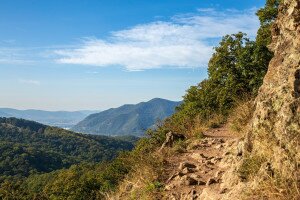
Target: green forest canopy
pixel 28 148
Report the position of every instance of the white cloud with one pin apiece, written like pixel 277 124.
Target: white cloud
pixel 181 42
pixel 28 81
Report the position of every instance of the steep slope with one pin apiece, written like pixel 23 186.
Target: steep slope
pixel 28 147
pixel 63 119
pixel 275 131
pixel 127 119
pixel 266 162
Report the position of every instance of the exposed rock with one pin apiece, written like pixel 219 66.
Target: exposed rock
pixel 173 176
pixel 188 170
pixel 198 178
pixel 196 156
pixel 188 180
pixel 171 137
pixel 200 182
pixel 169 187
pixel 209 163
pixel 186 165
pixel 216 159
pixel 223 190
pixel 208 194
pixel 276 121
pixel 211 181
pixel 219 173
pixel 221 140
pixel 194 145
pixel 240 148
pixel 203 156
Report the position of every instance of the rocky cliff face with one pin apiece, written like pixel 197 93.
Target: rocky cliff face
pixel 275 130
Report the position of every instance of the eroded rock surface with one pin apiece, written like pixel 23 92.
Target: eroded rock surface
pixel 198 172
pixel 275 128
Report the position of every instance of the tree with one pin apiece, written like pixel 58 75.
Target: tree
pixel 267 16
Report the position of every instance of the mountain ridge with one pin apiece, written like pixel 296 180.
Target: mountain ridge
pixel 129 119
pixel 62 119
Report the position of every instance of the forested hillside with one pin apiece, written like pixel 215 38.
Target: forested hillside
pixel 127 119
pixel 28 148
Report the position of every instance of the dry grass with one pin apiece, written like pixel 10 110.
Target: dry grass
pixel 250 167
pixel 143 182
pixel 179 146
pixel 276 188
pixel 241 116
pixel 215 121
pixel 200 126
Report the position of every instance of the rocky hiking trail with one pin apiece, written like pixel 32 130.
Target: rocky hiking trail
pixel 197 172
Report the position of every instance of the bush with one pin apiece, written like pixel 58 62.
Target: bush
pixel 235 71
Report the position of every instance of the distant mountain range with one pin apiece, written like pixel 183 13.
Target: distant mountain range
pixel 63 119
pixel 127 119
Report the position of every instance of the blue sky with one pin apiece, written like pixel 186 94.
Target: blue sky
pixel 97 54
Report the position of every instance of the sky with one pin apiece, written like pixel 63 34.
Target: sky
pixel 98 54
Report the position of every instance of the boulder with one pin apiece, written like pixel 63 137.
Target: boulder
pixel 171 137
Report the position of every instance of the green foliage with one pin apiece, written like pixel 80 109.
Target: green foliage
pixel 156 185
pixel 200 135
pixel 88 180
pixel 267 16
pixel 235 71
pixel 84 181
pixel 28 148
pixel 158 135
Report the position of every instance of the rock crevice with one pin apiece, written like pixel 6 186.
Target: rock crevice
pixel 275 129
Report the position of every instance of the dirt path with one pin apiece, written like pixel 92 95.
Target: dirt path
pixel 198 170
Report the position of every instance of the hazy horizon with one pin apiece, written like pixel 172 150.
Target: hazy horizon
pixel 82 110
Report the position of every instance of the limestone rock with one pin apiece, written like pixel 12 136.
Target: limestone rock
pixel 186 165
pixel 188 180
pixel 171 137
pixel 276 121
pixel 188 170
pixel 211 181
